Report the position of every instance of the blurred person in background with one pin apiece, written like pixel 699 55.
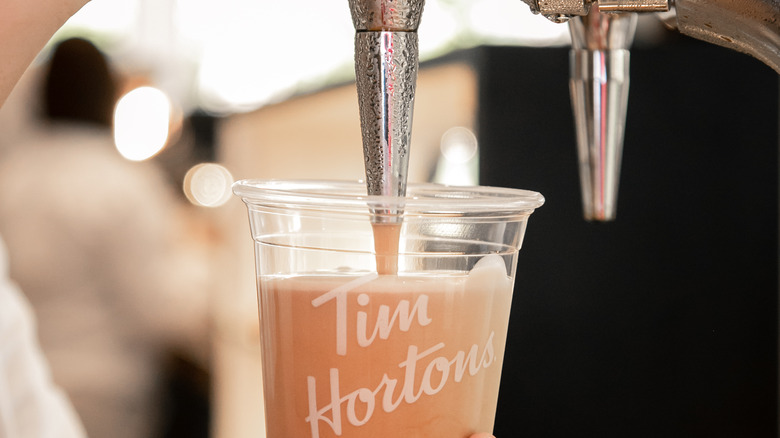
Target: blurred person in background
pixel 31 405
pixel 90 239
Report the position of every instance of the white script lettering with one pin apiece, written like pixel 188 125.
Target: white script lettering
pixel 384 322
pixel 404 314
pixel 390 401
pixel 340 294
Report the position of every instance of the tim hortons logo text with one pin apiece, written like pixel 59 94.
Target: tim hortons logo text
pixel 358 406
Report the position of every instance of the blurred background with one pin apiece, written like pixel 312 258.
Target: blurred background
pixel 119 146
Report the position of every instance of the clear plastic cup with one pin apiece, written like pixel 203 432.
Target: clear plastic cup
pixel 352 348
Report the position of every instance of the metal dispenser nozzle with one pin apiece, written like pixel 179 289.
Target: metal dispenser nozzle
pixel 386 63
pixel 601 36
pixel 599 62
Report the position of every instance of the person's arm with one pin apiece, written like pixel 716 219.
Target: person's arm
pixel 25 28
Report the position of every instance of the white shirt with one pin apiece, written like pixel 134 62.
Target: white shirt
pixel 31 406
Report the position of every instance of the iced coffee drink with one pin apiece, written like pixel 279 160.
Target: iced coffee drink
pixel 356 346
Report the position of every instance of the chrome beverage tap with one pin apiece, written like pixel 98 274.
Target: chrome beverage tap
pixel 602 32
pixel 749 26
pixel 386 63
pixel 599 78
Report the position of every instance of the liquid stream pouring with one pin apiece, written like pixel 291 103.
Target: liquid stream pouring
pixel 386 64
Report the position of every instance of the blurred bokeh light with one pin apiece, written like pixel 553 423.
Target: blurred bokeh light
pixel 459 162
pixel 141 123
pixel 208 185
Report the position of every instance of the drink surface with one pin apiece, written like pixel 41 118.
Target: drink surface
pixel 383 355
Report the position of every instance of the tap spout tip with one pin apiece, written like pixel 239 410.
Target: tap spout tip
pixel 599 81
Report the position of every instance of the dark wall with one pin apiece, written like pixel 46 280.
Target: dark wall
pixel 664 322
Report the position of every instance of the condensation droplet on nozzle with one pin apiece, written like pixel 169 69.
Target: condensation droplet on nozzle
pixel 208 185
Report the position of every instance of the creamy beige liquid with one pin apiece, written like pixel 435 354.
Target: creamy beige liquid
pixel 384 356
pixel 386 237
